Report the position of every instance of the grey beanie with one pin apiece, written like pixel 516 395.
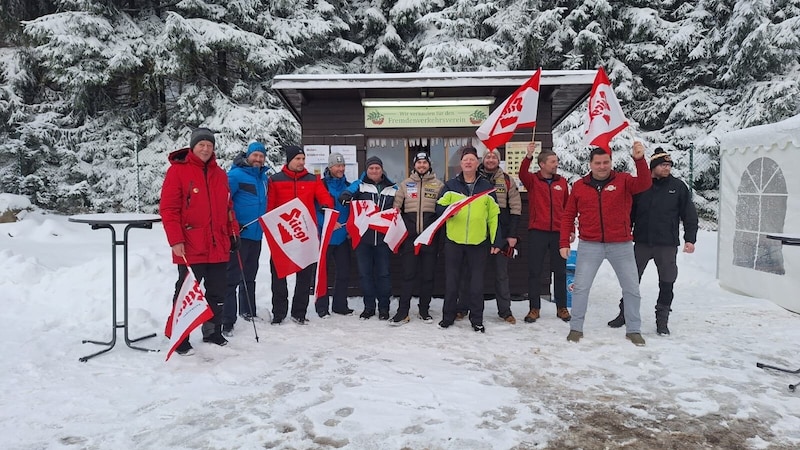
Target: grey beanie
pixel 335 158
pixel 201 134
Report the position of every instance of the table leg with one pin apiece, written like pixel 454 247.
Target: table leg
pixel 128 341
pixel 114 325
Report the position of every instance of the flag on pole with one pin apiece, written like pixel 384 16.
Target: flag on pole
pixel 189 311
pixel 321 278
pixel 391 225
pixel 517 111
pixel 606 118
pixel 291 234
pixel 426 237
pixel 358 221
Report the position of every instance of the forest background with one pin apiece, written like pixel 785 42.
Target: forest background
pixel 94 94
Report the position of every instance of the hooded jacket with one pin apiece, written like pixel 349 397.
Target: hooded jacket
pixel 508 199
pixel 475 223
pixel 382 193
pixel 658 211
pixel 196 208
pixel 416 200
pixel 335 187
pixel 249 194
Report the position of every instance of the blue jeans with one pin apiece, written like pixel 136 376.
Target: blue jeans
pixel 590 257
pixel 373 274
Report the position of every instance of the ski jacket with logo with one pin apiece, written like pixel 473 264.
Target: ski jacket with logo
pixel 475 223
pixel 658 211
pixel 508 199
pixel 604 214
pixel 196 208
pixel 249 194
pixel 382 193
pixel 287 185
pixel 546 200
pixel 416 200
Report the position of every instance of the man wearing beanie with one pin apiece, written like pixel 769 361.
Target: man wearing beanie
pixel 248 184
pixel 471 236
pixel 656 214
pixel 294 181
pixel 510 203
pixel 338 247
pixel 200 225
pixel 602 199
pixel 372 253
pixel 416 200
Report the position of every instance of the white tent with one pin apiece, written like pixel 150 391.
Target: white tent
pixel 760 195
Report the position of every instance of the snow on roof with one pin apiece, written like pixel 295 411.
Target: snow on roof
pixel 780 134
pixel 421 79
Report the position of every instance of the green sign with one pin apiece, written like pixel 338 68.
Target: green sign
pixel 424 116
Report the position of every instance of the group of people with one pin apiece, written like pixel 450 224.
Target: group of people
pixel 211 222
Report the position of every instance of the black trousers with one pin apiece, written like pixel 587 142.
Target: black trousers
pixel 664 256
pixel 418 271
pixel 249 252
pixel 464 263
pixel 280 293
pixel 340 254
pixel 214 279
pixel 541 245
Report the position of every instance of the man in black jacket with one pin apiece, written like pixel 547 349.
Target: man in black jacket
pixel 656 214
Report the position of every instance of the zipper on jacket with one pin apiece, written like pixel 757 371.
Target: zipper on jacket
pixel 600 203
pixel 550 191
pixel 420 194
pixel 208 194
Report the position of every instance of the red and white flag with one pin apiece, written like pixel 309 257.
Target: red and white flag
pixel 606 118
pixel 291 233
pixel 518 111
pixel 391 225
pixel 190 311
pixel 328 226
pixel 426 237
pixel 358 221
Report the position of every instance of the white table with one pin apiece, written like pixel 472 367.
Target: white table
pixel 108 220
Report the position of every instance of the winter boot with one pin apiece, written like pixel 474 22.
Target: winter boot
pixel 663 304
pixel 618 321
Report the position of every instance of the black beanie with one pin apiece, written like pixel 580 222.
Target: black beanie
pixel 292 151
pixel 660 156
pixel 374 160
pixel 201 134
pixel 468 150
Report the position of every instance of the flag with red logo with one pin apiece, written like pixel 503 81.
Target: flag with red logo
pixel 189 311
pixel 606 118
pixel 426 237
pixel 292 237
pixel 358 221
pixel 328 226
pixel 517 111
pixel 391 225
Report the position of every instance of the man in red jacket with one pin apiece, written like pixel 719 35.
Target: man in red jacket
pixel 294 181
pixel 602 201
pixel 547 197
pixel 198 218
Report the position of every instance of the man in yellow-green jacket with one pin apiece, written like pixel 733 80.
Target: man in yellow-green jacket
pixel 471 235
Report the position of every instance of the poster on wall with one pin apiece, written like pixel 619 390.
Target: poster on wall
pixel 515 151
pixel 351 163
pixel 316 158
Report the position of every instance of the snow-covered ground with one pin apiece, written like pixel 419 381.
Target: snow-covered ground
pixel 346 383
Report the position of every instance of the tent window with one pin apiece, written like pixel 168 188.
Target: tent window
pixel 760 209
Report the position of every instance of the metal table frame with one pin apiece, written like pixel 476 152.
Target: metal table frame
pixel 791 240
pixel 108 220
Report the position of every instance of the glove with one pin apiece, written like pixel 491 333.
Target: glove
pixel 345 198
pixel 235 243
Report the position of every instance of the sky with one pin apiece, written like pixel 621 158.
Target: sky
pixel 352 384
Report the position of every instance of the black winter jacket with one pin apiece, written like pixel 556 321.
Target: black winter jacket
pixel 657 212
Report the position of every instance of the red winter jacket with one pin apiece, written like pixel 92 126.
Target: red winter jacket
pixel 287 185
pixel 604 215
pixel 546 201
pixel 196 208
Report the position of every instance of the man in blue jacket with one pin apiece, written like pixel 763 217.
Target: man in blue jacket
pixel 248 182
pixel 339 247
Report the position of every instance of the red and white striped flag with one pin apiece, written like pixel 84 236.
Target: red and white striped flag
pixel 291 233
pixel 517 111
pixel 426 237
pixel 358 221
pixel 391 225
pixel 321 278
pixel 190 311
pixel 606 118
